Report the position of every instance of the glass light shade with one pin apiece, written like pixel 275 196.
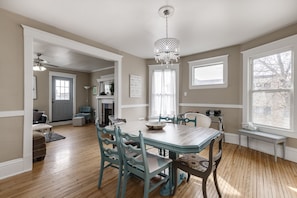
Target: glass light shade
pixel 38 68
pixel 167 50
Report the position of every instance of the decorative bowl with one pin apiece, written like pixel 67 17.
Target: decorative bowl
pixel 155 125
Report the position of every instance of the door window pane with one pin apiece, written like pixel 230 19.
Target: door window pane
pixel 62 90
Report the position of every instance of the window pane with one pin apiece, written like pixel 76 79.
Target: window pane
pixel 273 72
pixel 62 90
pixel 163 92
pixel 208 75
pixel 271 109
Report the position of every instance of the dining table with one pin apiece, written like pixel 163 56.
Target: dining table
pixel 176 138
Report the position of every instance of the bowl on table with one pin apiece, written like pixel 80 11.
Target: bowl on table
pixel 155 125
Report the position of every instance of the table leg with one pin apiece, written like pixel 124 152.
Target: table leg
pixel 50 133
pixel 167 189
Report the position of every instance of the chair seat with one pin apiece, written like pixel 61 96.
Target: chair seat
pixel 194 161
pixel 155 162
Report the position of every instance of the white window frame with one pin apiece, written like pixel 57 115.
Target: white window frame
pixel 289 43
pixel 209 62
pixel 156 67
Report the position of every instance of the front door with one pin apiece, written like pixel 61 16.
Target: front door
pixel 62 98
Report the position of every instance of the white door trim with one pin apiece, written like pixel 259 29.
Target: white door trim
pixel 31 34
pixel 66 75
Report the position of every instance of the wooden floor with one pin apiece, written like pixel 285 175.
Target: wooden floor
pixel 71 167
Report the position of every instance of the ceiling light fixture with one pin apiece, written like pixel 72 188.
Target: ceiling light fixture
pixel 38 63
pixel 166 49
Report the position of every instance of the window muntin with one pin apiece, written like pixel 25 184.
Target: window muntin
pixel 271 90
pixel 62 88
pixel 209 73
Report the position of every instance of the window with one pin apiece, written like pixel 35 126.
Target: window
pixel 268 86
pixel 62 90
pixel 209 73
pixel 163 90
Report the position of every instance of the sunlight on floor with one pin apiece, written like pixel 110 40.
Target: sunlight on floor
pixel 226 188
pixel 292 188
pixel 63 157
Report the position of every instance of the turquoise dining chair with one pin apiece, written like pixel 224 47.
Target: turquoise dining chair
pixel 144 165
pixel 110 154
pixel 201 119
pixel 185 121
pixel 167 119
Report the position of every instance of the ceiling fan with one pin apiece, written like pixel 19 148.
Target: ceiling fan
pixel 41 64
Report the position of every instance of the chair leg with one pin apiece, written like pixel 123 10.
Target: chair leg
pixel 101 173
pixel 216 182
pixel 188 179
pixel 119 181
pixel 146 188
pixel 204 180
pixel 125 182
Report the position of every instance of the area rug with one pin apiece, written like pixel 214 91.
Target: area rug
pixel 53 137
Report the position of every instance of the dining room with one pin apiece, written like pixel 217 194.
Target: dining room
pixel 244 88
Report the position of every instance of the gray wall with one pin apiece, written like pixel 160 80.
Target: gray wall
pixel 12 74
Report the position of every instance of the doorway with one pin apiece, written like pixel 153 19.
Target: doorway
pixel 62 106
pixel 31 34
pixel 62 98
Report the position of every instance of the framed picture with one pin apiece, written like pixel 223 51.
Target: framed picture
pixel 135 86
pixel 34 88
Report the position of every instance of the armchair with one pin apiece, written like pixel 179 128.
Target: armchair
pixel 84 111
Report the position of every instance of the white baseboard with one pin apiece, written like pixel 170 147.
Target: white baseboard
pixel 265 147
pixel 61 123
pixel 14 167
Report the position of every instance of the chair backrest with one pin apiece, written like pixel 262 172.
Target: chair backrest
pixel 201 119
pixel 134 156
pixel 186 121
pixel 167 119
pixel 85 109
pixel 107 143
pixel 215 155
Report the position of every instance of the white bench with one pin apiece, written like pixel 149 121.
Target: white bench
pixel 267 137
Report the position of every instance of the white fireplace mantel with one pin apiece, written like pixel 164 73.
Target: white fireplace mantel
pixel 102 99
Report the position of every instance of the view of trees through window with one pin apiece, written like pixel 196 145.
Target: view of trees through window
pixel 271 90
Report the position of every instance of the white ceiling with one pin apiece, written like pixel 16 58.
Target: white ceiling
pixel 133 26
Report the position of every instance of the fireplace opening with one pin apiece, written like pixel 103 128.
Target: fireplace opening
pixel 107 110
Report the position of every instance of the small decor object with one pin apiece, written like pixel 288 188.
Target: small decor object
pixel 155 125
pixel 135 86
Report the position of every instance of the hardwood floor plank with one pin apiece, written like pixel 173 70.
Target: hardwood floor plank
pixel 71 169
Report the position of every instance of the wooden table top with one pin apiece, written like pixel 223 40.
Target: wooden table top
pixel 174 137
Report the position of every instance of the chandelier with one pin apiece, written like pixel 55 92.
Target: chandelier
pixel 38 63
pixel 166 49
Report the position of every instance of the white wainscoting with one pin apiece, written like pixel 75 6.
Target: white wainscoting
pixel 265 147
